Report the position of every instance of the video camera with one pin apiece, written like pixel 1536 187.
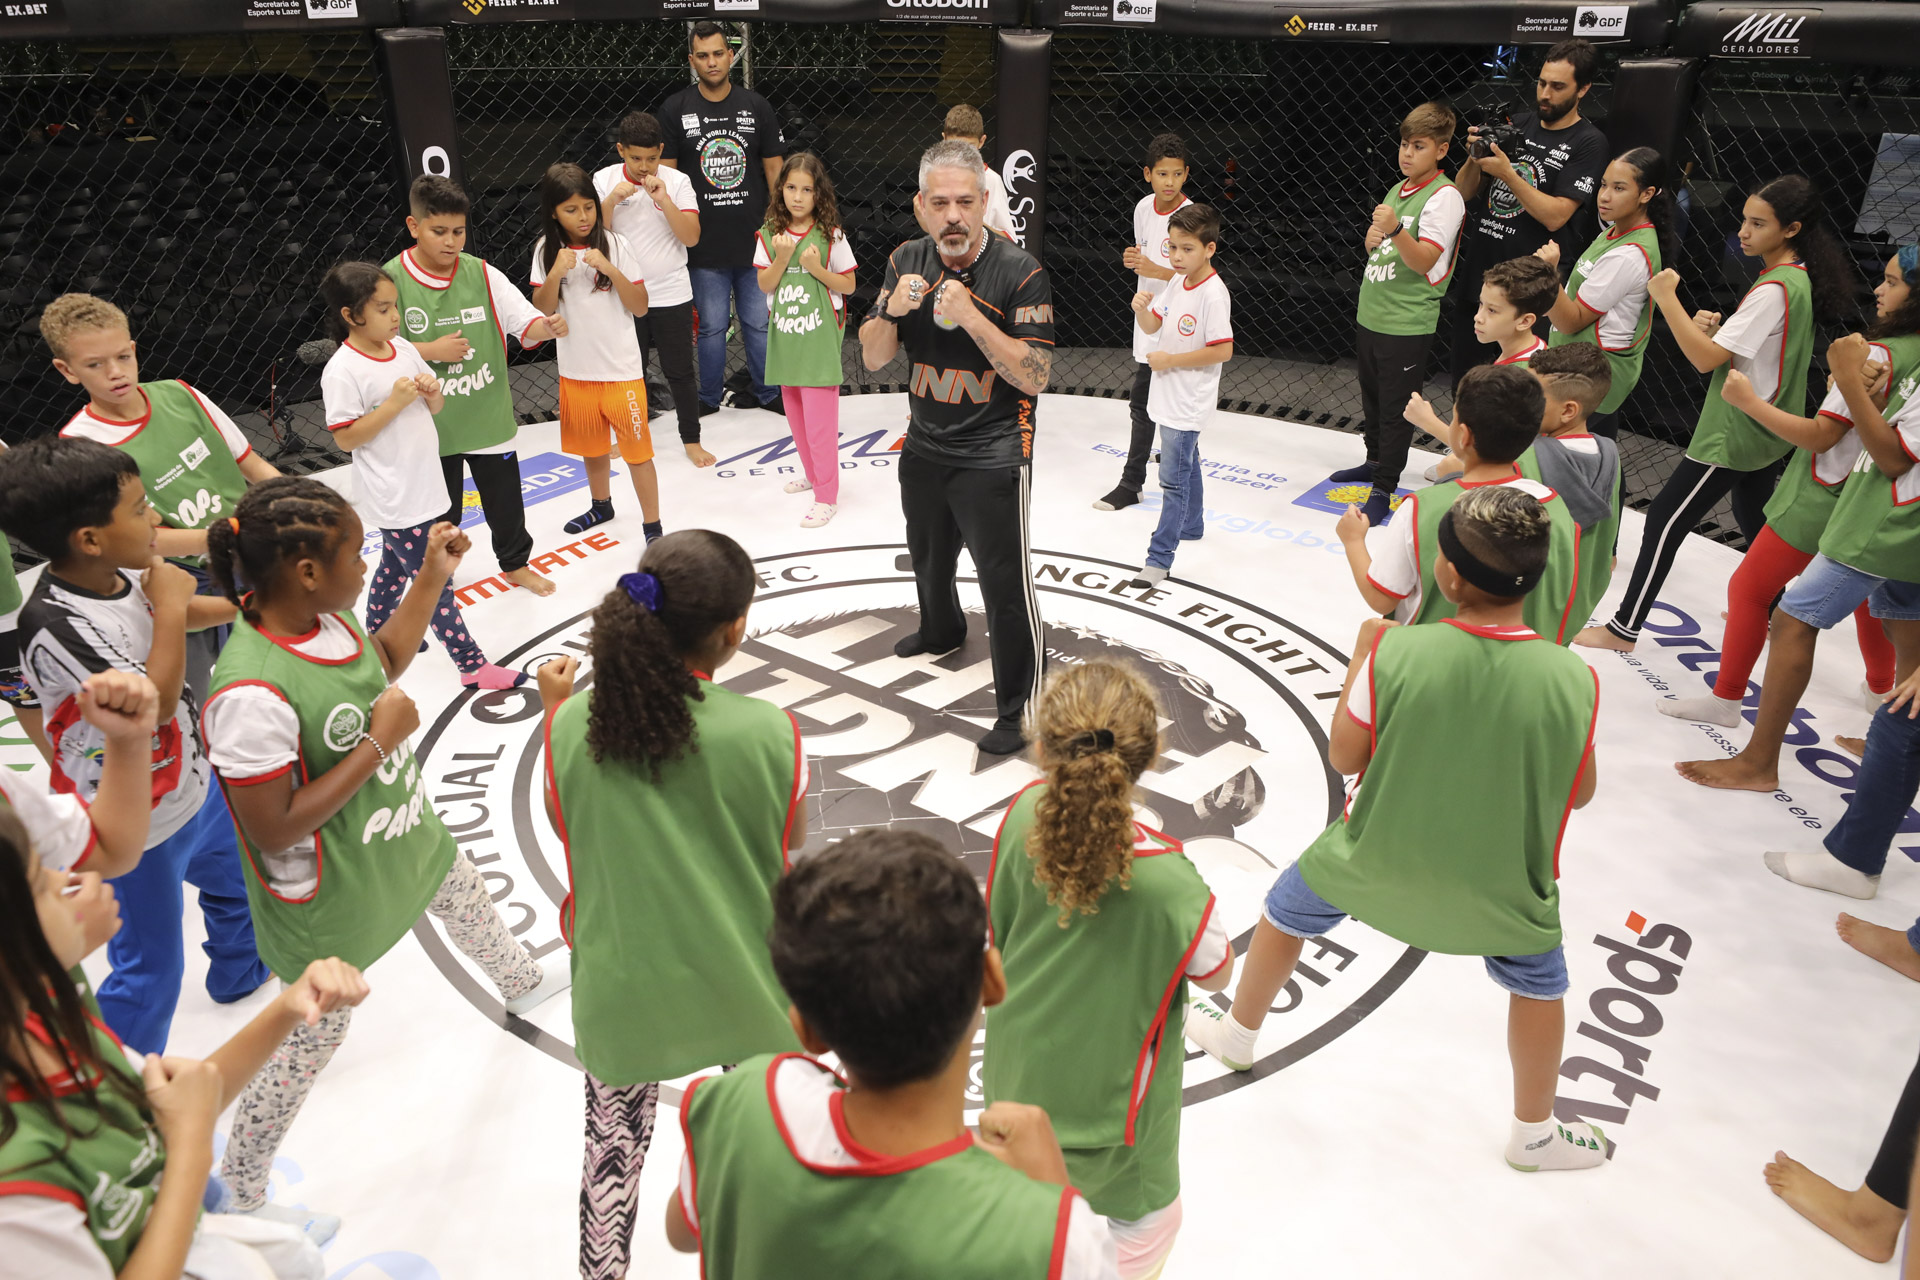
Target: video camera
pixel 1497 128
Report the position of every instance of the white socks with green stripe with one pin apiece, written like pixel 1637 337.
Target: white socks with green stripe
pixel 1548 1145
pixel 1224 1039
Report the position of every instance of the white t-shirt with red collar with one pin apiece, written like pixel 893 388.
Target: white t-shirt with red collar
pixel 1615 291
pixel 663 259
pixel 1756 334
pixel 1151 239
pixel 398 471
pixel 1192 317
pixel 1395 568
pixel 601 344
pixel 1534 346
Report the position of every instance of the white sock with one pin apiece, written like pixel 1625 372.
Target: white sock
pixel 1711 709
pixel 1550 1145
pixel 1821 870
pixel 1220 1034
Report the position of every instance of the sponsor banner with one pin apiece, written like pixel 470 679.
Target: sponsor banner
pixel 25 19
pixel 1764 33
pixel 1593 22
pixel 1348 22
pixel 1025 64
pixel 1335 496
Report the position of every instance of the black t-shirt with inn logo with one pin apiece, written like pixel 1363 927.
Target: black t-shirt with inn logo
pixel 721 146
pixel 963 413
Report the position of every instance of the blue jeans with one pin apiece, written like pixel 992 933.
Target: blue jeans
pixel 1182 518
pixel 1888 780
pixel 149 955
pixel 713 288
pixel 1826 592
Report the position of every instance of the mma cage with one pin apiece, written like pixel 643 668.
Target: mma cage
pixel 203 162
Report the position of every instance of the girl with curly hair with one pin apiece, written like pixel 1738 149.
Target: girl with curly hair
pixel 1083 897
pixel 678 802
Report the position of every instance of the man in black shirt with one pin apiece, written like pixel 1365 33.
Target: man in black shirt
pixel 1539 192
pixel 728 141
pixel 974 312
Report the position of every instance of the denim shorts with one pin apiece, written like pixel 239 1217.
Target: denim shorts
pixel 1293 907
pixel 1827 591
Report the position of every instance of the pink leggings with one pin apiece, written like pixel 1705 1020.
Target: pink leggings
pixel 814 415
pixel 1769 565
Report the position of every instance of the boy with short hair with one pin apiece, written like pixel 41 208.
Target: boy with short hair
pixel 790 1170
pixel 1497 411
pixel 1410 249
pixel 1474 739
pixel 654 207
pixel 1583 468
pixel 965 123
pixel 1149 258
pixel 1191 321
pixel 1513 296
pixel 107 601
pixel 457 310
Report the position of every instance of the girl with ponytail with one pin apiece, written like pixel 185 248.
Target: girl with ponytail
pixel 1082 897
pixel 678 802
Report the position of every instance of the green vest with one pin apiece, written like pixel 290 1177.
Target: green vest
pixel 1451 841
pixel 479 405
pixel 1594 550
pixel 952 1211
pixel 803 329
pixel 1394 298
pixel 383 857
pixel 1725 437
pixel 671 893
pixel 192 477
pixel 109 1170
pixel 1549 607
pixel 10 597
pixel 1875 527
pixel 1624 362
pixel 1135 953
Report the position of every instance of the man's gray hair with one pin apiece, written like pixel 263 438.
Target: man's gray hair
pixel 954 153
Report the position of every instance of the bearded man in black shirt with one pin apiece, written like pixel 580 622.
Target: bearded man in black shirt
pixel 974 313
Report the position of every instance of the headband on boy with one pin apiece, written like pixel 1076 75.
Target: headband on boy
pixel 643 589
pixel 1092 742
pixel 1909 260
pixel 1478 572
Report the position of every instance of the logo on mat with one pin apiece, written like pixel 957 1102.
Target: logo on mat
pixel 346 725
pixel 1243 782
pixel 416 319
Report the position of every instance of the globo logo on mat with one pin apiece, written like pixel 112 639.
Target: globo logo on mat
pixel 1243 784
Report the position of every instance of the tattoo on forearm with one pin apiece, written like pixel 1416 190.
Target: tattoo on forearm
pixel 1031 374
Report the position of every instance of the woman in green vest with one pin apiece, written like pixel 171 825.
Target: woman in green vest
pixel 1804 274
pixel 806 270
pixel 88 1128
pixel 677 801
pixel 1081 897
pixel 1605 300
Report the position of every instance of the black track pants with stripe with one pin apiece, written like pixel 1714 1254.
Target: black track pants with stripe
pixel 1683 502
pixel 985 510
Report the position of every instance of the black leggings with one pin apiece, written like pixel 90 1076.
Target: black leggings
pixel 1133 476
pixel 496 478
pixel 1683 502
pixel 1892 1170
pixel 1391 367
pixel 669 330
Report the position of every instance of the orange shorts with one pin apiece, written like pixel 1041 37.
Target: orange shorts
pixel 589 409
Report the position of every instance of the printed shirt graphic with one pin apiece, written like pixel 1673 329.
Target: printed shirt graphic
pixel 1394 298
pixel 721 146
pixel 1559 162
pixel 67 634
pixel 805 319
pixel 1192 318
pixel 601 344
pixel 397 473
pixel 663 259
pixel 479 301
pixel 1150 238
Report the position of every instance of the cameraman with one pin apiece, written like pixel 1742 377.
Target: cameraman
pixel 1519 198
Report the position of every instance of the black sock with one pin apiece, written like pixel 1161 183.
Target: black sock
pixel 652 529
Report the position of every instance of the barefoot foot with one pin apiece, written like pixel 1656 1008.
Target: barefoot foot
pixel 699 457
pixel 1736 774
pixel 1889 946
pixel 1601 638
pixel 537 583
pixel 1859 1219
pixel 1855 747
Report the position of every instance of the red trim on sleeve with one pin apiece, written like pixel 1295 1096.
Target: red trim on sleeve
pixel 1220 342
pixel 1349 710
pixel 45 1190
pixel 256 780
pixel 93 842
pixel 342 426
pixel 1058 1261
pixel 1397 595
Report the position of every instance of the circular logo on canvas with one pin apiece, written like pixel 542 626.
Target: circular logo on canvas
pixel 724 162
pixel 416 318
pixel 1243 783
pixel 1187 325
pixel 346 724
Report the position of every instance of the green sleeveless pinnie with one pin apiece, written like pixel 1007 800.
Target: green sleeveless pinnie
pixel 1623 362
pixel 109 1170
pixel 1451 841
pixel 1594 549
pixel 1122 1144
pixel 479 406
pixel 1549 607
pixel 1394 298
pixel 1875 525
pixel 1725 437
pixel 951 1211
pixel 10 597
pixel 191 476
pixel 803 327
pixel 671 889
pixel 383 856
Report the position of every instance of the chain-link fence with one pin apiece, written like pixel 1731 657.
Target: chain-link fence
pixel 868 99
pixel 204 185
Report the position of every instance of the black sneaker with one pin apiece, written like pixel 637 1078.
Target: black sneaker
pixel 912 646
pixel 1351 475
pixel 775 405
pixel 708 410
pixel 1121 497
pixel 740 400
pixel 1002 742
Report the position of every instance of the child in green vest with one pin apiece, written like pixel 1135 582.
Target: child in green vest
pixel 1513 296
pixel 1805 273
pixel 310 739
pixel 669 951
pixel 806 270
pixel 1583 468
pixel 104 1152
pixel 1476 710
pixel 1497 411
pixel 1410 251
pixel 1081 897
pixel 792 1170
pixel 458 310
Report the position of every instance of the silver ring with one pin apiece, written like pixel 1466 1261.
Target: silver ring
pixel 915 289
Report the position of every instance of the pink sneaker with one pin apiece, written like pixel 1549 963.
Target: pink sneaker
pixel 493 677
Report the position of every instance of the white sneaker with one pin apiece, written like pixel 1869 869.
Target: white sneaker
pixel 818 514
pixel 1579 1145
pixel 798 486
pixel 1223 1038
pixel 556 975
pixel 319 1228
